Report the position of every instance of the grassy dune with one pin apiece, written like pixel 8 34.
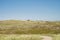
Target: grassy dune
pixel 29 27
pixel 29 30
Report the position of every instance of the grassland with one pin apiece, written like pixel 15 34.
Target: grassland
pixel 56 37
pixel 19 37
pixel 27 37
pixel 29 27
pixel 29 30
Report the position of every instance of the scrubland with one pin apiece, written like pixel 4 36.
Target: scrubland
pixel 29 27
pixel 29 30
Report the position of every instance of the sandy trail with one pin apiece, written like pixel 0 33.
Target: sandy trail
pixel 46 38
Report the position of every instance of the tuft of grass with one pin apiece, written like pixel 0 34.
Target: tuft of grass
pixel 20 37
pixel 26 37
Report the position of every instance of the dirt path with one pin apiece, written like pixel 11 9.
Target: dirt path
pixel 46 38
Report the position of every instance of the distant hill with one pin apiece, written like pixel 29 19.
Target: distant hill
pixel 29 27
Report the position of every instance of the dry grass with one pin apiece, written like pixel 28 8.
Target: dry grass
pixel 29 27
pixel 20 37
pixel 27 37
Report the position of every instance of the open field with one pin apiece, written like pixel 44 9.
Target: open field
pixel 28 37
pixel 29 30
pixel 29 27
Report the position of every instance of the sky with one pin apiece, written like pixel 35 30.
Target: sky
pixel 30 9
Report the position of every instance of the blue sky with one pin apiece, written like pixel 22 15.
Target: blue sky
pixel 30 9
